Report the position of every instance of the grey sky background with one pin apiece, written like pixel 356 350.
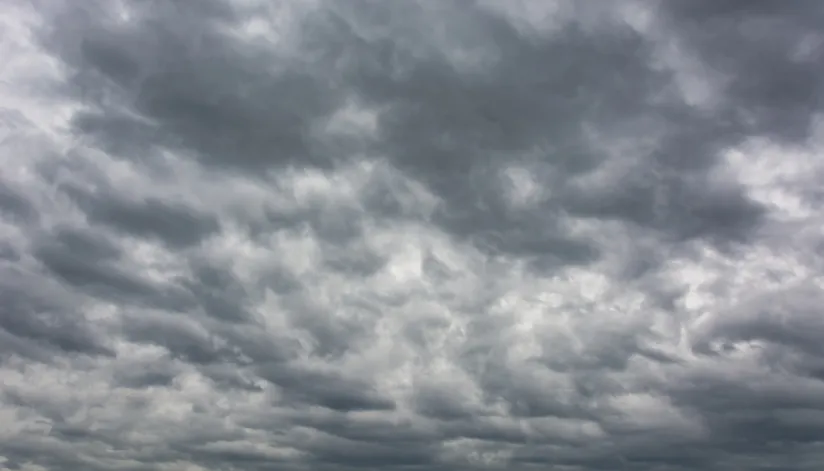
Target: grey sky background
pixel 411 235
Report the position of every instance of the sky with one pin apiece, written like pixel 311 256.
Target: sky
pixel 411 235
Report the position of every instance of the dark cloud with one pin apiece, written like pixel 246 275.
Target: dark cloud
pixel 89 268
pixel 172 223
pixel 770 57
pixel 221 295
pixel 205 94
pixel 439 122
pixel 8 253
pixel 15 205
pixel 37 327
pixel 411 235
pixel 155 372
pixel 183 338
pixel 440 403
pixel 326 389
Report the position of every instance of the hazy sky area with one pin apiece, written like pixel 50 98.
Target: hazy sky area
pixel 308 235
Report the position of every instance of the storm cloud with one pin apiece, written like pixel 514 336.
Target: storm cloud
pixel 454 235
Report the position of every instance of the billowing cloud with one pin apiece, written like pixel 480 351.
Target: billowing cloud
pixel 338 235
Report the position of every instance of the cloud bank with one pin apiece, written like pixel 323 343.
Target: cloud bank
pixel 340 235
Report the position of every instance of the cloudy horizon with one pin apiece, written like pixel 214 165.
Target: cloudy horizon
pixel 446 235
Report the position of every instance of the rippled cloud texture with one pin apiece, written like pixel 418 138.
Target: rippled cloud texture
pixel 399 235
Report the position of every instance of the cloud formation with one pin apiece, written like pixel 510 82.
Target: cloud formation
pixel 339 235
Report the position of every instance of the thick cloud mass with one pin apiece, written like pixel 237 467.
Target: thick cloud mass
pixel 411 235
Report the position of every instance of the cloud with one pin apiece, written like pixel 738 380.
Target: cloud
pixel 175 225
pixel 393 235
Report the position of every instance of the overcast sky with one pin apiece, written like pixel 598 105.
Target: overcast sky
pixel 411 235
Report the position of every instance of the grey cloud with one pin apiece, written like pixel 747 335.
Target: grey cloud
pixel 803 302
pixel 8 253
pixel 327 389
pixel 687 209
pixel 42 325
pixel 335 330
pixel 343 452
pixel 252 116
pixel 440 123
pixel 99 277
pixel 349 427
pixel 769 55
pixel 536 114
pixel 220 294
pixel 229 377
pixel 411 235
pixel 155 373
pixel 173 223
pixel 279 280
pixel 440 403
pixel 83 243
pixel 182 337
pixel 15 205
pixel 261 346
pixel 354 260
pixel 338 225
pixel 52 326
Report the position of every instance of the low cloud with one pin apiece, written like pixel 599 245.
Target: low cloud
pixel 396 235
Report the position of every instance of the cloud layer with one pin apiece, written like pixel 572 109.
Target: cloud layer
pixel 339 235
